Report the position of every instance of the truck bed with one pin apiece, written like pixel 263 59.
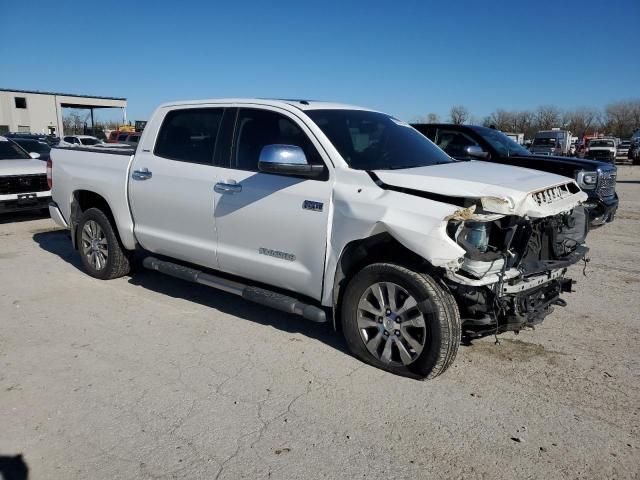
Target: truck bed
pixel 103 171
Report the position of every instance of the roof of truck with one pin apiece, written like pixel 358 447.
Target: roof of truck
pixel 300 104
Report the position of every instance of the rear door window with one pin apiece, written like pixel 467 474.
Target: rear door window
pixel 189 135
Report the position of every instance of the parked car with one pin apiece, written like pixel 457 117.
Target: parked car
pixel 79 141
pixel 623 149
pixel 40 147
pixel 23 179
pixel 603 149
pixel 329 211
pixel 130 139
pixel 552 142
pixel 113 136
pixel 472 142
pixel 634 151
pixel 50 140
pixel 120 134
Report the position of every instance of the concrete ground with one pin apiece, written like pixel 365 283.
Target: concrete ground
pixel 151 377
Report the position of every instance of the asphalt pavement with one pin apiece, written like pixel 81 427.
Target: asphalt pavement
pixel 151 377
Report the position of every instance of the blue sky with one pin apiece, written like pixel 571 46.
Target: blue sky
pixel 407 58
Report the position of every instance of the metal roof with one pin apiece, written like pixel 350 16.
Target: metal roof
pixel 60 94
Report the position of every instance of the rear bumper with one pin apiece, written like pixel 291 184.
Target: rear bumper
pixel 22 205
pixel 602 211
pixel 56 215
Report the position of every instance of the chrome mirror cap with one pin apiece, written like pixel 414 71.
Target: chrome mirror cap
pixel 475 151
pixel 283 155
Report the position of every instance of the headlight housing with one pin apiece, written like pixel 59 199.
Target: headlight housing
pixel 587 180
pixel 503 205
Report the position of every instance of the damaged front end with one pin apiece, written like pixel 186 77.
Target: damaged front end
pixel 513 271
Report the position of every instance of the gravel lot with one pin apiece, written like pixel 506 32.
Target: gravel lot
pixel 151 377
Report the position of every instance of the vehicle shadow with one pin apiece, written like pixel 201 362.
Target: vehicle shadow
pixel 25 216
pixel 237 306
pixel 13 468
pixel 58 243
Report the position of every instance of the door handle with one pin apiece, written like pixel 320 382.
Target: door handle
pixel 143 174
pixel 221 187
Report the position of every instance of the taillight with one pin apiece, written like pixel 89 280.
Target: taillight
pixel 49 176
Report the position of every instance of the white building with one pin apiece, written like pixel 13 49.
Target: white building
pixel 41 112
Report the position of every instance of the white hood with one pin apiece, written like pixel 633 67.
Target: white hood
pixel 476 179
pixel 28 166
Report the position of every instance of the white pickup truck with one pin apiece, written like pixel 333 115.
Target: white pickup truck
pixel 23 179
pixel 334 213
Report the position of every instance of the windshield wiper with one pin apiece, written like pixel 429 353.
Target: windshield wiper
pixel 400 167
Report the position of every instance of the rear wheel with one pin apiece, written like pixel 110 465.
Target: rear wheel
pixel 102 254
pixel 401 321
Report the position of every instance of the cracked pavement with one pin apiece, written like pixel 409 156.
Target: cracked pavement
pixel 151 377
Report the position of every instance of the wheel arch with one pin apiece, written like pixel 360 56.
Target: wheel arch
pixel 357 254
pixel 81 201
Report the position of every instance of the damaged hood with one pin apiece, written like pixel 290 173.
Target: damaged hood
pixel 508 189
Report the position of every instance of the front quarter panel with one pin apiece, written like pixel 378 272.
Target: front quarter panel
pixel 361 209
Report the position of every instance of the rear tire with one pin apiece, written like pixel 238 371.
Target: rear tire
pixel 414 330
pixel 101 252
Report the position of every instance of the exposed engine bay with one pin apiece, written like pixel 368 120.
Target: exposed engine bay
pixel 513 271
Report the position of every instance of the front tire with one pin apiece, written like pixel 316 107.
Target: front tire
pixel 102 254
pixel 401 321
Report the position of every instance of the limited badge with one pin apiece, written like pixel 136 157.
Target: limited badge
pixel 311 205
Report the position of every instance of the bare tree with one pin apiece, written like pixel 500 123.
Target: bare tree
pixel 433 118
pixel 500 119
pixel 459 114
pixel 73 122
pixel 523 122
pixel 622 118
pixel 548 117
pixel 635 114
pixel 581 121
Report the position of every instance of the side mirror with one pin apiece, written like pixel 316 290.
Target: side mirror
pixel 475 151
pixel 34 155
pixel 287 160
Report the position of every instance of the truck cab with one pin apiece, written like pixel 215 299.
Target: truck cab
pixel 551 142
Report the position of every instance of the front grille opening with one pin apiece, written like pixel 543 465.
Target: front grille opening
pixel 607 184
pixel 23 184
pixel 553 194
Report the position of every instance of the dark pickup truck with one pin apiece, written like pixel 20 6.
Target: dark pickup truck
pixel 472 142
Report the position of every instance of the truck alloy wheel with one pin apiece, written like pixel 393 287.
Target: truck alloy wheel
pixel 94 245
pixel 100 249
pixel 400 320
pixel 390 324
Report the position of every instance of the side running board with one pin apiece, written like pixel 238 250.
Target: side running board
pixel 253 294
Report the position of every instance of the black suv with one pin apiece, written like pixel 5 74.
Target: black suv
pixel 472 142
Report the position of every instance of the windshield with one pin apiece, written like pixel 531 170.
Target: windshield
pixel 11 151
pixel 544 142
pixel 375 141
pixel 90 141
pixel 601 143
pixel 505 146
